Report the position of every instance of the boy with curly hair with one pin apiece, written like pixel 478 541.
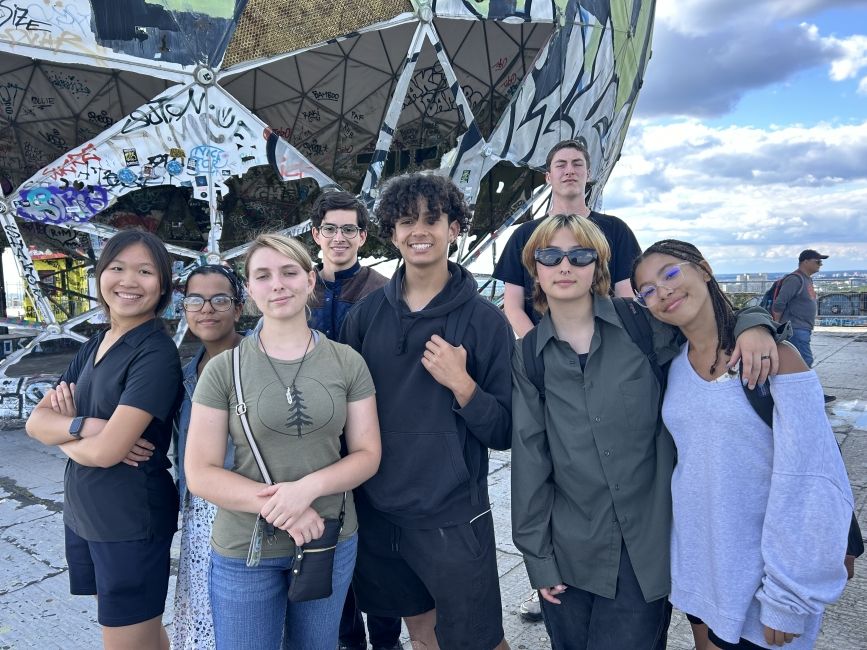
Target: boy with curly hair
pixel 440 357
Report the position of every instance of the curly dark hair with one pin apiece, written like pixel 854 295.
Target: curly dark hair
pixel 723 310
pixel 400 195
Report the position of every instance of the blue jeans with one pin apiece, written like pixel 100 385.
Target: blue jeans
pixel 585 621
pixel 801 340
pixel 251 609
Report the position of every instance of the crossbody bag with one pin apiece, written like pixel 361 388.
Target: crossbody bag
pixel 313 563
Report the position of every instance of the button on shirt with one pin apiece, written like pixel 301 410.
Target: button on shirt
pixel 591 465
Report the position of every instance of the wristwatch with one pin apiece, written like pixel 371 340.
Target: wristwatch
pixel 75 427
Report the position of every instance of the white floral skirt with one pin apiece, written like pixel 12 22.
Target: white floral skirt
pixel 193 627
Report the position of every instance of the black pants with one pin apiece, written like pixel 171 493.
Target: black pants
pixel 383 631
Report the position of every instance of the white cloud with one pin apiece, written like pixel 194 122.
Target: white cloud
pixel 708 53
pixel 753 198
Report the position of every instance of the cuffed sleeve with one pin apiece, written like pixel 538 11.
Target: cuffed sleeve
pixel 809 509
pixel 532 479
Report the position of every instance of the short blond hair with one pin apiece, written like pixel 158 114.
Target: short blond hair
pixel 586 233
pixel 291 248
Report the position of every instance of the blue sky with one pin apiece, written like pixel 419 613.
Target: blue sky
pixel 758 148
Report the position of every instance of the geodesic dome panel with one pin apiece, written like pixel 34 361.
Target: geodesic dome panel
pixel 205 119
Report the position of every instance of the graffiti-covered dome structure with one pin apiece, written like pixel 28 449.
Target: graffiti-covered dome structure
pixel 206 120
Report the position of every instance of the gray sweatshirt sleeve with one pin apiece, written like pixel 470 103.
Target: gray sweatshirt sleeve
pixel 532 484
pixel 790 288
pixel 809 508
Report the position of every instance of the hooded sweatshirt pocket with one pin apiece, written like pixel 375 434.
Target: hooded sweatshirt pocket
pixel 418 472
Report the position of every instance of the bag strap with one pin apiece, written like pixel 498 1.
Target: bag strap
pixel 637 325
pixel 241 411
pixel 534 364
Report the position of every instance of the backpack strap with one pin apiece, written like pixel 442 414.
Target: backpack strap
pixel 760 399
pixel 635 322
pixel 534 364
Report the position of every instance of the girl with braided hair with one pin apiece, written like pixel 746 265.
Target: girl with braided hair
pixel 760 514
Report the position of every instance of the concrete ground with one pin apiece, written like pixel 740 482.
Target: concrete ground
pixel 36 610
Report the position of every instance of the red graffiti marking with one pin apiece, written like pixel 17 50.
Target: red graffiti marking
pixel 501 63
pixel 72 162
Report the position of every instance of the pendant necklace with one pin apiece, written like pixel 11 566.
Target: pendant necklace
pixel 290 389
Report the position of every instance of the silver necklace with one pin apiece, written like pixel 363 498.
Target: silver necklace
pixel 290 389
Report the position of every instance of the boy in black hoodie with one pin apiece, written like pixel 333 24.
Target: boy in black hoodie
pixel 440 358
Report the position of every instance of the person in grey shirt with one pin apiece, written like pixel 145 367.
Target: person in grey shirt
pixel 591 464
pixel 796 302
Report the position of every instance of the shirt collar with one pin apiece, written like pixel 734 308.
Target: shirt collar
pixel 137 335
pixel 345 274
pixel 603 309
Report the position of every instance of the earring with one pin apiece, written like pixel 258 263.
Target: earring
pixel 308 312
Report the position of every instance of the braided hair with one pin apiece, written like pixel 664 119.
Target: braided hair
pixel 723 309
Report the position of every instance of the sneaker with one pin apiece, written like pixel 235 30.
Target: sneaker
pixel 531 610
pixel 830 398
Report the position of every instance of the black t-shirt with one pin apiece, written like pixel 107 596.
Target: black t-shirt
pixel 124 503
pixel 621 239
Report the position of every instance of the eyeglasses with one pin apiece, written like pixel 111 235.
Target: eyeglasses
pixel 220 302
pixel 329 230
pixel 576 256
pixel 647 294
pixel 819 262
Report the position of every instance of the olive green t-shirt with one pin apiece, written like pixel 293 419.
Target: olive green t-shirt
pixel 293 440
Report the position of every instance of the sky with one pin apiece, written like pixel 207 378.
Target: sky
pixel 757 149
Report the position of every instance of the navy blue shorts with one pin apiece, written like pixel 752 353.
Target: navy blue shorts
pixel 130 578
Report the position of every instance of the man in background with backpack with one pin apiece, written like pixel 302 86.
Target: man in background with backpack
pixel 796 302
pixel 440 357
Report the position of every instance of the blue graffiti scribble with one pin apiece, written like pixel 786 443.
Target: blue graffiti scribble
pixel 174 167
pixel 127 176
pixel 60 205
pixel 208 158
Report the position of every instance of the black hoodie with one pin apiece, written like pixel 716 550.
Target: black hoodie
pixel 434 467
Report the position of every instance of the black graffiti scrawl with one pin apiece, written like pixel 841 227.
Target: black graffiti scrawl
pixel 143 29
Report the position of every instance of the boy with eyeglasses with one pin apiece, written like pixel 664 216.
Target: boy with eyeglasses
pixel 340 230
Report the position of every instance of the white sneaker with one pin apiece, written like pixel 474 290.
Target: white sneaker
pixel 531 610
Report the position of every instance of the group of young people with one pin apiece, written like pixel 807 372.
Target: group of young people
pixel 375 402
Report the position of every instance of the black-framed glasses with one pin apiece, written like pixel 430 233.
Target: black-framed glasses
pixel 220 302
pixel 577 256
pixel 329 230
pixel 648 294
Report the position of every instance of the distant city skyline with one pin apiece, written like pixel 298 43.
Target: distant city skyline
pixel 750 135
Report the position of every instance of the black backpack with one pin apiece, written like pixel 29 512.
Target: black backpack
pixel 637 325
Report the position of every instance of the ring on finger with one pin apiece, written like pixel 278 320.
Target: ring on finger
pixel 766 356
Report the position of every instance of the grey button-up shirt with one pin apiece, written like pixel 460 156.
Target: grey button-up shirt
pixel 591 465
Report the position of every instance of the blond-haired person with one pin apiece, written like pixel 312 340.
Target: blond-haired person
pixel 301 391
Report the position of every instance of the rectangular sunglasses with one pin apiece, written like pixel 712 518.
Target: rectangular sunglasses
pixel 577 256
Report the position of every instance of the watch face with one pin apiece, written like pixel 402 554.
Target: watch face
pixel 75 426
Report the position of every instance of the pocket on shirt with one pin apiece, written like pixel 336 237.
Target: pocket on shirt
pixel 641 401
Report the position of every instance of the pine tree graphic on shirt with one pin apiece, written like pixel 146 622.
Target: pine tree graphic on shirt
pixel 297 413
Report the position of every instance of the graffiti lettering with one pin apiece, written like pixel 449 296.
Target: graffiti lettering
pixel 208 158
pixel 41 102
pixel 19 248
pixel 326 95
pixel 224 118
pixel 103 119
pixel 8 94
pixel 69 82
pixel 356 117
pixel 500 64
pixel 164 111
pixel 313 148
pixel 54 137
pixel 19 17
pixel 311 115
pixel 72 162
pixel 285 133
pixel 61 204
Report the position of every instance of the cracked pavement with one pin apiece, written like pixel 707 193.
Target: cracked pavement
pixel 36 610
